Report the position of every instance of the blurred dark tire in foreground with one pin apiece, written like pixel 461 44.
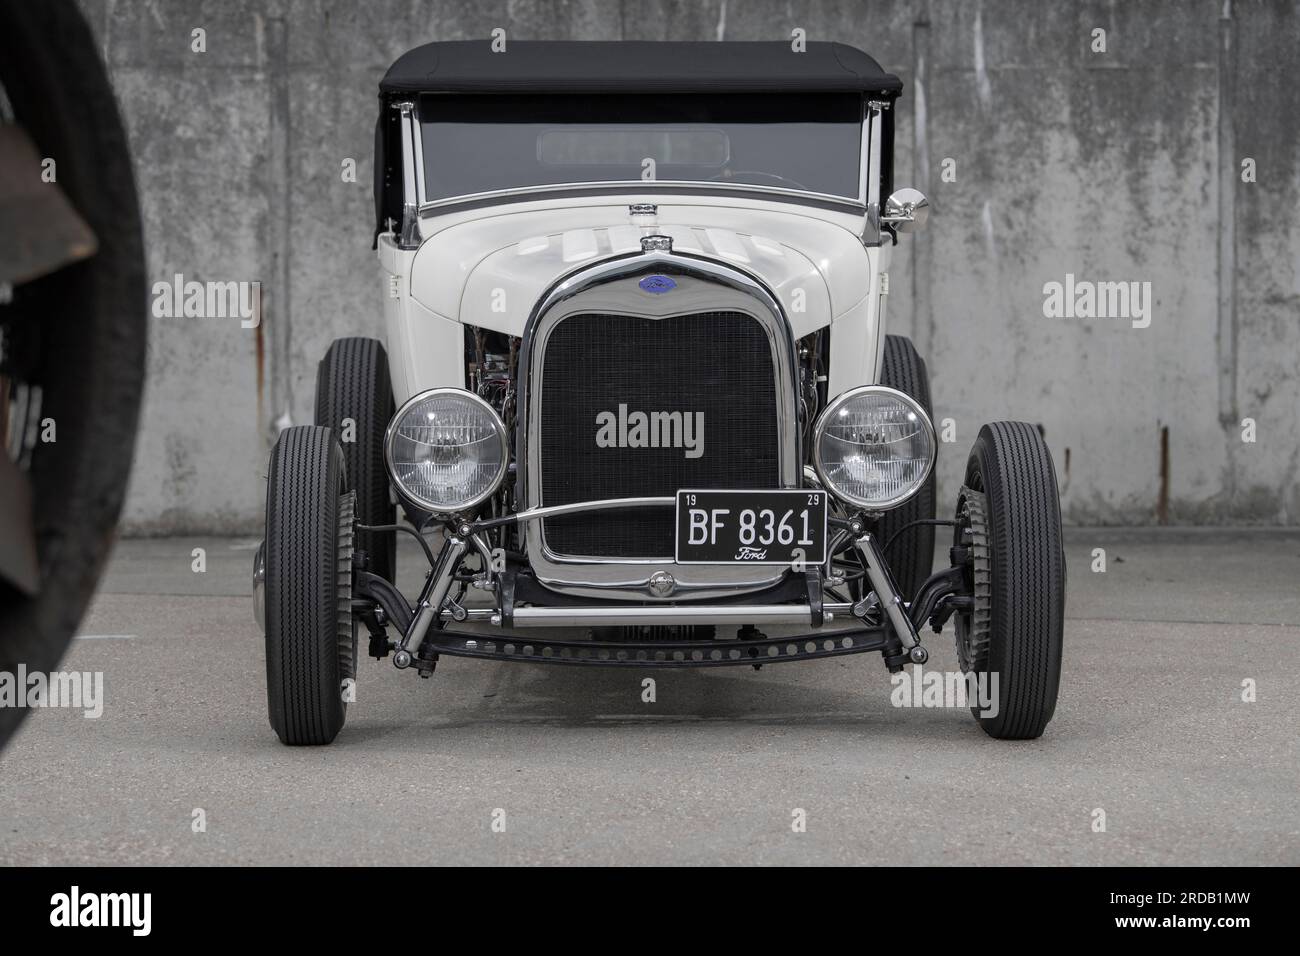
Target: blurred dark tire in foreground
pixel 77 334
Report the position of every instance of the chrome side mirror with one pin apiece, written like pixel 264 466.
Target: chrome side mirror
pixel 906 210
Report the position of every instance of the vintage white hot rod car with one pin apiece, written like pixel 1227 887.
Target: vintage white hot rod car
pixel 637 384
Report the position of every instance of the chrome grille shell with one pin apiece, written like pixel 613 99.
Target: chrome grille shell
pixel 611 288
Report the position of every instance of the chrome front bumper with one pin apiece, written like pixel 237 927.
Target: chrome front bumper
pixel 735 614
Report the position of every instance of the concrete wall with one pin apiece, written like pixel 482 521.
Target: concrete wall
pixel 1122 165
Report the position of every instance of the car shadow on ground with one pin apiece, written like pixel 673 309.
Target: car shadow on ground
pixel 840 695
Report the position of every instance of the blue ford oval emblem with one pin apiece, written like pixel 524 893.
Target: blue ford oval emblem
pixel 657 284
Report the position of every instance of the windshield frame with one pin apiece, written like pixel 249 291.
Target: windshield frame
pixel 868 158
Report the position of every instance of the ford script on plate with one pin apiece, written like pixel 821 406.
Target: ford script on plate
pixel 754 527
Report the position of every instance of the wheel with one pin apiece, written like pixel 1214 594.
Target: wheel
pixel 352 383
pixel 911 559
pixel 1009 516
pixel 72 341
pixel 310 631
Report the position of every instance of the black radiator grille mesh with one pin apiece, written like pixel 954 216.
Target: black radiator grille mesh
pixel 717 363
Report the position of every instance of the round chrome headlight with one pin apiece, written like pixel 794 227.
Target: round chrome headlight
pixel 873 447
pixel 446 450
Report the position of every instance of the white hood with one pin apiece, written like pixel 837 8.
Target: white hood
pixel 488 268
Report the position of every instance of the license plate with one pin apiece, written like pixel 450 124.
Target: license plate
pixel 751 527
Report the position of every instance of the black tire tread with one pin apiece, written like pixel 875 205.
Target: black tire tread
pixel 304 660
pixel 1013 466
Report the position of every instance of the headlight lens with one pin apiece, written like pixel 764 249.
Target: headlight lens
pixel 873 447
pixel 446 450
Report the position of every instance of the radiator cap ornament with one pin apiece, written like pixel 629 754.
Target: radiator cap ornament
pixel 656 243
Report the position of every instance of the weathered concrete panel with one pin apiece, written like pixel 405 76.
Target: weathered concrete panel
pixel 1263 480
pixel 1102 165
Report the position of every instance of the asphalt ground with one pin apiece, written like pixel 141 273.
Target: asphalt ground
pixel 495 763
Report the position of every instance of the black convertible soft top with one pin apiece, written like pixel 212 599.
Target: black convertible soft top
pixel 636 66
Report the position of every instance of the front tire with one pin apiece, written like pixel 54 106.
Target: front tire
pixel 1009 515
pixel 310 633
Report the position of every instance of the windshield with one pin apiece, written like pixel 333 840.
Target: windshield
pixel 476 143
